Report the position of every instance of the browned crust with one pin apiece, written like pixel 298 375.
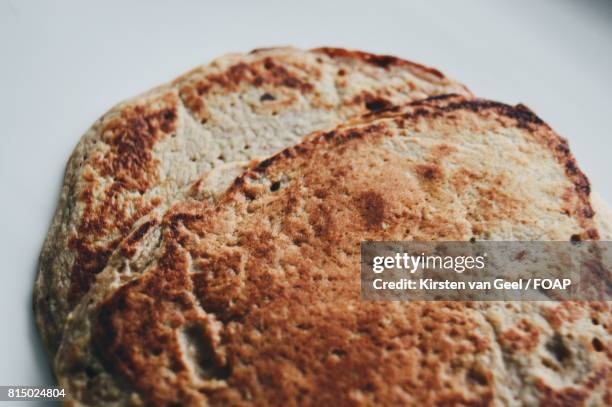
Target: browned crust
pixel 136 329
pixel 381 61
pixel 387 61
pixel 444 105
pixel 131 165
pixel 259 73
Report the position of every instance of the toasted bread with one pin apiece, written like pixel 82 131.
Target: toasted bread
pixel 255 299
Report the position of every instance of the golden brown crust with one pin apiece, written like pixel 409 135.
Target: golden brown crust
pixel 129 162
pixel 256 299
pixel 262 73
pixel 579 205
pixel 382 61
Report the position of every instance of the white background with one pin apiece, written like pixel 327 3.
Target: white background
pixel 63 64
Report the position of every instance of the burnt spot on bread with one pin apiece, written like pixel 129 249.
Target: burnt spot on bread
pixel 275 186
pixel 266 97
pixel 575 238
pixel 372 102
pixel 262 49
pixel 129 246
pixel 377 104
pixel 130 166
pixel 182 217
pixel 597 345
pixel 430 173
pixel 436 106
pixel 523 116
pixel 582 187
pixel 91 259
pixel 570 166
pixel 437 98
pixel 478 376
pixel 260 73
pixel 329 135
pixel 348 135
pixel 371 206
pixel 380 61
pixel 263 165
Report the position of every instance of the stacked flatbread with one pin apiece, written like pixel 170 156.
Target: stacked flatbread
pixel 183 267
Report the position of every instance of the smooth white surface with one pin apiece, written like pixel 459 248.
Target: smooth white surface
pixel 63 64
